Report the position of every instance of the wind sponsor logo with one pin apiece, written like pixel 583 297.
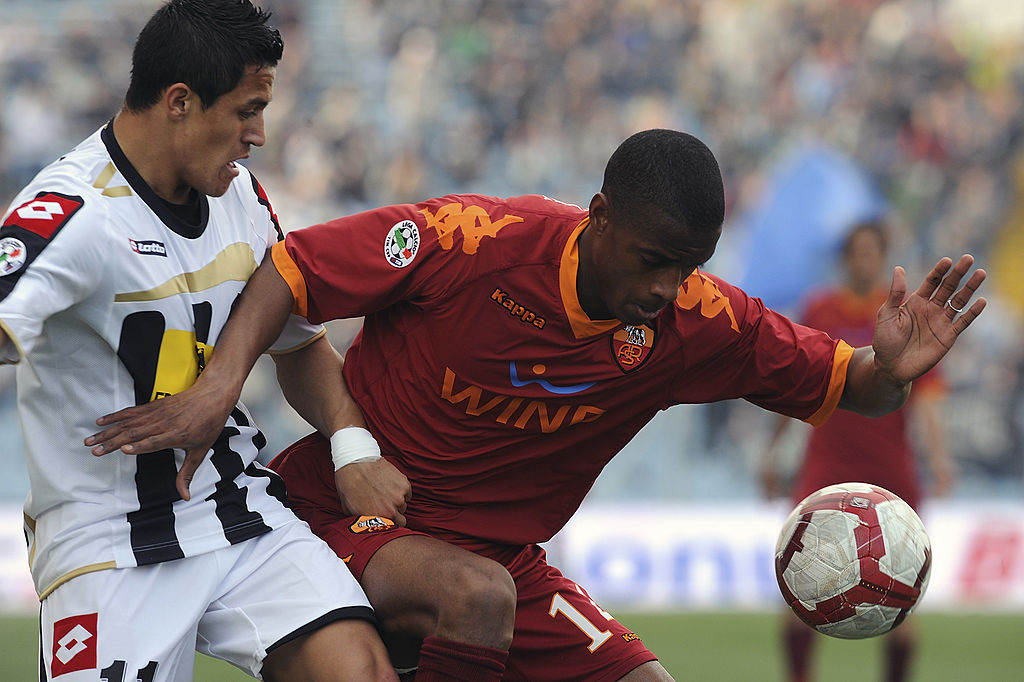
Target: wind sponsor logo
pixel 522 413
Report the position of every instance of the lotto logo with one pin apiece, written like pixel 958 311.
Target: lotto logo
pixel 74 644
pixel 40 210
pixel 45 214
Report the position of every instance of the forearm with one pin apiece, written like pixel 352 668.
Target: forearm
pixel 256 321
pixel 312 382
pixel 869 390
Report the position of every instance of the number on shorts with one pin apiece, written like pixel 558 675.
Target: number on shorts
pixel 115 672
pixel 597 636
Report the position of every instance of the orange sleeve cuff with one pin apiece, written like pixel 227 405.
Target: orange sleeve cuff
pixel 288 270
pixel 836 384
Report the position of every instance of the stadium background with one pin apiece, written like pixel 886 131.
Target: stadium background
pixel 908 107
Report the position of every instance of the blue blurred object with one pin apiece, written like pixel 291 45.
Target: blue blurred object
pixel 812 200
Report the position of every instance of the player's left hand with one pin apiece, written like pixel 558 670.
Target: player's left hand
pixel 913 333
pixel 191 420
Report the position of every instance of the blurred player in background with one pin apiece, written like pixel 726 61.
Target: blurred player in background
pixel 511 347
pixel 849 447
pixel 119 264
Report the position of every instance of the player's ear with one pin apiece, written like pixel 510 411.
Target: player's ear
pixel 178 99
pixel 600 212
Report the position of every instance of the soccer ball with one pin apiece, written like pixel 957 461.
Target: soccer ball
pixel 852 560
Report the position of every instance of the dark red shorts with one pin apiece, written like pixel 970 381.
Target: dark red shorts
pixel 560 632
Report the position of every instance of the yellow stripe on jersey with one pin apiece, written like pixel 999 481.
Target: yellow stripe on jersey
pixel 104 177
pixel 177 368
pixel 235 263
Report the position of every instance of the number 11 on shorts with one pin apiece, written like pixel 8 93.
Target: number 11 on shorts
pixel 597 636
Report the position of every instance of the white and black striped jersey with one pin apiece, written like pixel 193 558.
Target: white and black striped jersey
pixel 113 298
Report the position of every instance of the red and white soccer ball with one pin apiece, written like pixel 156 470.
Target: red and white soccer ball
pixel 852 560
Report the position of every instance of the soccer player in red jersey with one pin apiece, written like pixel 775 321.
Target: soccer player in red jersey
pixel 848 447
pixel 510 348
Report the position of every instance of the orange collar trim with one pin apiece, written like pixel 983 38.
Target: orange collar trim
pixel 582 325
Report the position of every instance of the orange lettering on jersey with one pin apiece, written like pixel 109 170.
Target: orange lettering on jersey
pixel 471 394
pixel 473 220
pixel 698 289
pixel 520 412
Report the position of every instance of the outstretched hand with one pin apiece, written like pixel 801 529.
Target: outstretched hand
pixel 191 420
pixel 913 333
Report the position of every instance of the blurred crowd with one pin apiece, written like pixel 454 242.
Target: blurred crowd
pixel 389 101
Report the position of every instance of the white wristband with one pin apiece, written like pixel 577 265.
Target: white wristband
pixel 353 444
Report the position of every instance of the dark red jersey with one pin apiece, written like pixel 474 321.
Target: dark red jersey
pixel 851 447
pixel 487 384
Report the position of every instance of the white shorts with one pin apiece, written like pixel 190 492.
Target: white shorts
pixel 235 604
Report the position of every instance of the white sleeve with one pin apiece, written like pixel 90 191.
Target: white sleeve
pixel 51 257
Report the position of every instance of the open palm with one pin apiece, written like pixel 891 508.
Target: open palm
pixel 913 333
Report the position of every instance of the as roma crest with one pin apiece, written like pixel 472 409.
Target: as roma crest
pixel 631 346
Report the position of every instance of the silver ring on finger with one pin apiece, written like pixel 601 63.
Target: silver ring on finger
pixel 953 307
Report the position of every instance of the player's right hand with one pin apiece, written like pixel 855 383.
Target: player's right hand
pixel 374 488
pixel 191 420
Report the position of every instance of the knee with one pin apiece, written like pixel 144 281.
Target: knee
pixel 481 590
pixel 478 605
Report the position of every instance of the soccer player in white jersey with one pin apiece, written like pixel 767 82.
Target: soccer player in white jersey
pixel 119 264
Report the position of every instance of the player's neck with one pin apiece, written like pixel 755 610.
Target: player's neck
pixel 147 147
pixel 589 302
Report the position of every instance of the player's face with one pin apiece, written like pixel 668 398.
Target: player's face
pixel 217 137
pixel 865 259
pixel 636 267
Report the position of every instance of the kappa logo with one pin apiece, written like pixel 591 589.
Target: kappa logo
pixel 74 644
pixel 516 309
pixel 372 524
pixel 700 290
pixel 148 247
pixel 474 222
pixel 402 243
pixel 12 255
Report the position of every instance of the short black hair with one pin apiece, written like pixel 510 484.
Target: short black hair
pixel 206 44
pixel 669 174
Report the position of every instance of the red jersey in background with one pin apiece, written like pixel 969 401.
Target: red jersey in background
pixel 851 447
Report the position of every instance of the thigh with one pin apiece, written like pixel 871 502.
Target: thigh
pixel 561 633
pixel 282 586
pixel 123 625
